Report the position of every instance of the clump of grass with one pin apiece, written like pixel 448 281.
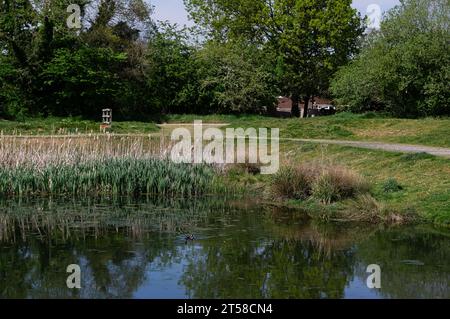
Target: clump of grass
pixel 118 176
pixel 365 208
pixel 412 157
pixel 335 183
pixel 392 186
pixel 245 168
pixel 293 182
pixel 326 184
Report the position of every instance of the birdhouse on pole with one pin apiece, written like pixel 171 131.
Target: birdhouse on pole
pixel 106 119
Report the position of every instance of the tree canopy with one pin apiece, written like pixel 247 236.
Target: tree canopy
pixel 404 68
pixel 310 39
pixel 237 58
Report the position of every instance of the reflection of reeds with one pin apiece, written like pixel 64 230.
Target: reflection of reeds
pixel 327 242
pixel 62 220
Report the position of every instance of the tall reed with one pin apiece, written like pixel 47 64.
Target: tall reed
pixel 97 165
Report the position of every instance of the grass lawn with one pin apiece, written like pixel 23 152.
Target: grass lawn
pixel 346 126
pixel 368 127
pixel 71 126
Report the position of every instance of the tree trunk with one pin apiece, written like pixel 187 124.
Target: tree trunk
pixel 305 109
pixel 295 111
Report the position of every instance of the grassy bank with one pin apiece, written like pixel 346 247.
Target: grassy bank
pixel 346 126
pixel 403 184
pixel 399 184
pixel 366 127
pixel 62 126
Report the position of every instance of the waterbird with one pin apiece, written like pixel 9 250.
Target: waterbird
pixel 189 238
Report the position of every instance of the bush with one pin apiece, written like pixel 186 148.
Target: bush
pixel 336 183
pixel 294 182
pixel 325 184
pixel 403 68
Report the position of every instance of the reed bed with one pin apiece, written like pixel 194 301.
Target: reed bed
pixel 97 165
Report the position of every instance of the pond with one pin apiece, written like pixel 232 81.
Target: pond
pixel 137 248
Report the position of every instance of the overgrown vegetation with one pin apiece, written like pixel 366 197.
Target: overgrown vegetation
pixel 425 182
pixel 125 176
pixel 404 68
pixel 326 184
pixel 98 165
pixel 332 193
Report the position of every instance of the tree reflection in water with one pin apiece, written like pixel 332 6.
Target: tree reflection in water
pixel 240 251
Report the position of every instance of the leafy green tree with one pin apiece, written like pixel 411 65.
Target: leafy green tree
pixel 236 76
pixel 76 88
pixel 311 38
pixel 404 68
pixel 172 70
pixel 49 69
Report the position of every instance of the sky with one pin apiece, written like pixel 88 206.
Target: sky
pixel 174 10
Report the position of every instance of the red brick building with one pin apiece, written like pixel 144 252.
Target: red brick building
pixel 316 103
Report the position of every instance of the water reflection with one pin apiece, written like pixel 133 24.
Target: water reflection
pixel 130 248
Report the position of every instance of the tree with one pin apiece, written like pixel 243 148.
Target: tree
pixel 237 77
pixel 50 69
pixel 404 68
pixel 311 38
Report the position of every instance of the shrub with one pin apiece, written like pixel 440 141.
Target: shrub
pixel 326 184
pixel 336 183
pixel 293 182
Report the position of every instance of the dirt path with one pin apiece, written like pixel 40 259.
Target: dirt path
pixel 402 148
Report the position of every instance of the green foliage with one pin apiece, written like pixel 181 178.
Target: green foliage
pixel 173 71
pixel 75 88
pixel 404 68
pixel 49 69
pixel 236 77
pixel 251 52
pixel 110 176
pixel 308 39
pixel 391 186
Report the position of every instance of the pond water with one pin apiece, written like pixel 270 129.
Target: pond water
pixel 137 248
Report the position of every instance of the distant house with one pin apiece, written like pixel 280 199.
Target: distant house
pixel 318 106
